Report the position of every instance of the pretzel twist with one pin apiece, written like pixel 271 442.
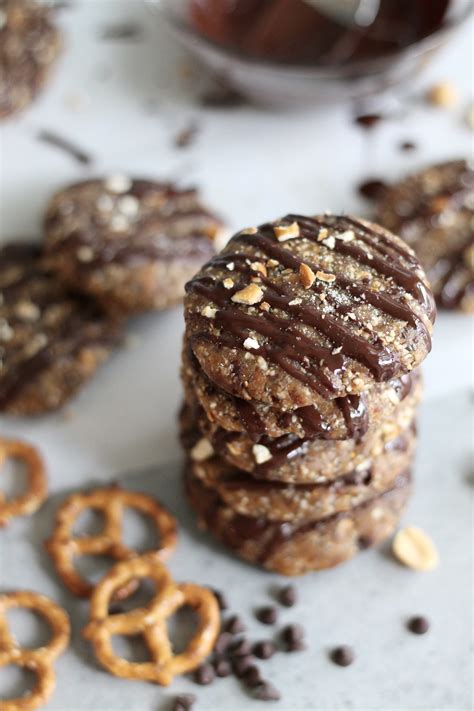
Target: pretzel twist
pixel 39 660
pixel 64 547
pixel 150 621
pixel 36 490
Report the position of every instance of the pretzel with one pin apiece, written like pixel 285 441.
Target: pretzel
pixel 63 547
pixel 150 621
pixel 36 491
pixel 40 660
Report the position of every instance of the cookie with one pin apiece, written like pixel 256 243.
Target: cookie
pixel 433 211
pixel 51 341
pixel 29 45
pixel 309 309
pixel 132 244
pixel 296 460
pixel 297 548
pixel 298 503
pixel 347 417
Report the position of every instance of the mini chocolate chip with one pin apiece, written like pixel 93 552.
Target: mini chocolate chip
pixel 240 648
pixel 183 702
pixel 204 674
pixel 234 625
pixel 297 646
pixel 291 634
pixel 222 667
pixel 252 677
pixel 364 542
pixel 287 596
pixel 266 615
pixel 222 643
pixel 407 146
pixel 264 649
pixel 221 599
pixel 418 625
pixel 343 655
pixel 266 692
pixel 241 664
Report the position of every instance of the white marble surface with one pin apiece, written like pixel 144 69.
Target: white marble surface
pixel 252 164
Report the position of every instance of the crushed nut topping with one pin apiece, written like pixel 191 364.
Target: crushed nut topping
pixel 128 205
pixel 272 263
pixel 251 294
pixel 228 283
pixel 27 311
pixel 346 236
pixel 265 306
pixel 85 254
pixel 259 267
pixel 261 453
pixel 202 450
pixel 285 232
pixel 208 311
pixel 295 302
pixel 322 234
pixel 324 276
pixel 118 183
pixel 307 276
pixel 249 231
pixel 330 242
pixel 230 266
pixel 251 343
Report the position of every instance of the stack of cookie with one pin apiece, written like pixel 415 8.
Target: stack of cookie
pixel 301 349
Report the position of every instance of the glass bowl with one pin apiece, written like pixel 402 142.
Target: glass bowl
pixel 290 84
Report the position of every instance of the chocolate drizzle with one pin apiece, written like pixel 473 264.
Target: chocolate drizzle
pixel 284 344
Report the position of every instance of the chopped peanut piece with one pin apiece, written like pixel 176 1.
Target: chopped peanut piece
pixel 202 450
pixel 251 294
pixel 285 232
pixel 323 276
pixel 307 276
pixel 259 267
pixel 261 453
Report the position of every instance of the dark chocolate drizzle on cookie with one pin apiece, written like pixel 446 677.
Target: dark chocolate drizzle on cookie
pixel 24 275
pixel 284 344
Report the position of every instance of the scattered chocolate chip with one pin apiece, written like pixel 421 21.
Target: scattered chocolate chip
pixel 222 667
pixel 234 625
pixel 368 121
pixel 343 656
pixel 221 599
pixel 222 643
pixel 183 702
pixel 186 137
pixel 266 692
pixel 241 664
pixel 123 31
pixel 407 146
pixel 204 674
pixel 53 139
pixel 267 615
pixel 292 634
pixel 264 649
pixel 240 648
pixel 418 625
pixel 372 189
pixel 297 646
pixel 364 542
pixel 252 677
pixel 287 596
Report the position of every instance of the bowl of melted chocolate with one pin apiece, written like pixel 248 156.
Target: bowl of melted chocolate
pixel 293 51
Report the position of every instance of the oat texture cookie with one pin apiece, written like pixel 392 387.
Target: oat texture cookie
pixel 132 244
pixel 433 211
pixel 309 307
pixel 51 341
pixel 29 44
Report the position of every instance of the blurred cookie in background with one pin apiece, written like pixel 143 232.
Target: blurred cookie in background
pixel 433 211
pixel 51 341
pixel 29 45
pixel 130 243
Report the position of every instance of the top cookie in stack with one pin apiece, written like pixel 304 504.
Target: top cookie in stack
pixel 303 328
